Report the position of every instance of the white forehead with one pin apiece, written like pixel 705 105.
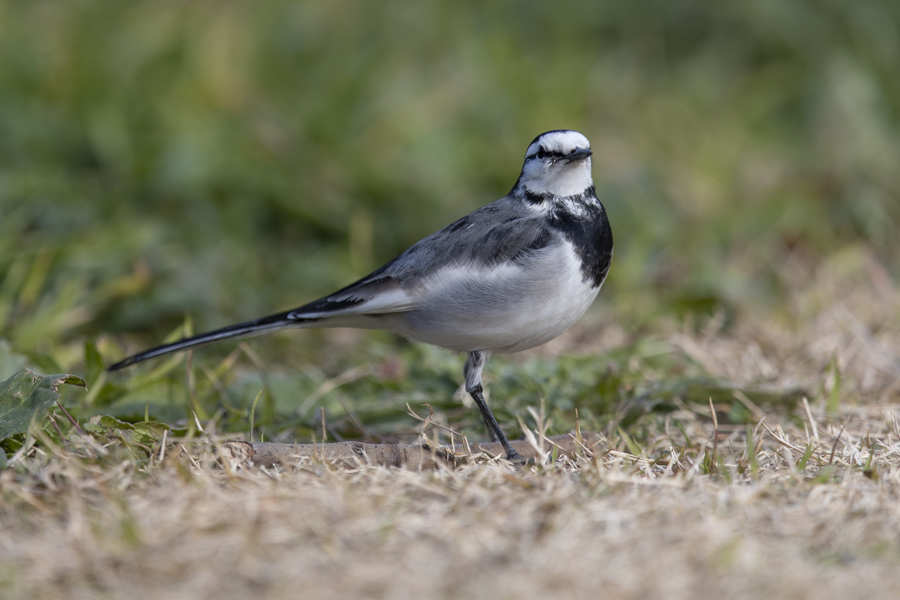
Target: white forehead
pixel 563 141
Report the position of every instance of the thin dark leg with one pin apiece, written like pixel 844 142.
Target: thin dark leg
pixel 474 365
pixel 492 425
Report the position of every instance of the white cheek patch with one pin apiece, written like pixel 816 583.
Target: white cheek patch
pixel 559 179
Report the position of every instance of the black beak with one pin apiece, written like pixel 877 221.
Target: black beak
pixel 578 154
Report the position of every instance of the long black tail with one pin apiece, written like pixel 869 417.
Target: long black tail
pixel 250 328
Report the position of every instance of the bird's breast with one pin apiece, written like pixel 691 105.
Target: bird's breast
pixel 506 307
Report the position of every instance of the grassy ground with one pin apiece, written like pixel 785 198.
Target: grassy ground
pixel 787 499
pixel 167 168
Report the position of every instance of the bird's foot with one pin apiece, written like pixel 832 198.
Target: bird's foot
pixel 517 459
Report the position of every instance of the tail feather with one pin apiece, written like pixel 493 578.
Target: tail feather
pixel 250 328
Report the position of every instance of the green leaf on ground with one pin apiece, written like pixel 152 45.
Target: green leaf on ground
pixel 24 395
pixel 144 432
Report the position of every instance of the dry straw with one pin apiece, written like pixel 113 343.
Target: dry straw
pixel 803 505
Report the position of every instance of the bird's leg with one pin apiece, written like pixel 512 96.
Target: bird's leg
pixel 474 365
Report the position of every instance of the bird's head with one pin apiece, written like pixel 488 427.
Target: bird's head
pixel 557 163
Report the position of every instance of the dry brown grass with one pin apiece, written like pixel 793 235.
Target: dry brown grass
pixel 810 508
pixel 612 526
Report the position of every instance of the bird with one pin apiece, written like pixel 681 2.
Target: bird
pixel 512 275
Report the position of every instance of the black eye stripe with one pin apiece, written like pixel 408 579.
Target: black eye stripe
pixel 542 153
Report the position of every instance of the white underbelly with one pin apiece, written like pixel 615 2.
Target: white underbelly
pixel 500 309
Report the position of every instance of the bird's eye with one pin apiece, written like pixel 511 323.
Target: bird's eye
pixel 542 154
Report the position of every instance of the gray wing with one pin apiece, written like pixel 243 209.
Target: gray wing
pixel 503 231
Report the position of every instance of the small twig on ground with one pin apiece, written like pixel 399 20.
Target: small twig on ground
pixel 267 454
pixel 427 422
pixel 838 438
pixel 162 445
pixel 715 456
pixel 71 419
pixel 56 428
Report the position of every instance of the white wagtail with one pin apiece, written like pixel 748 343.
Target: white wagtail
pixel 510 276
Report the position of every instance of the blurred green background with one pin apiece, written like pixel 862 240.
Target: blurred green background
pixel 225 160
